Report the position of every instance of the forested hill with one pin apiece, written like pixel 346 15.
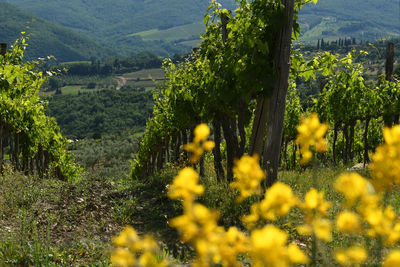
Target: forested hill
pixel 47 37
pixel 114 23
pixel 166 27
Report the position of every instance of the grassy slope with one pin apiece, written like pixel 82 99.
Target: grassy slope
pixel 47 38
pixel 50 221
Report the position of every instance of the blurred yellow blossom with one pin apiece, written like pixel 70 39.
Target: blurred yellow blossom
pixel 268 248
pixel 278 201
pixel 386 160
pixel 127 237
pixel 352 256
pixel 197 220
pixel 130 245
pixel 392 259
pixel 208 145
pixel 122 257
pixel 311 133
pixel 314 201
pixel 185 185
pixel 353 186
pixel 321 228
pixel 200 143
pixel 248 176
pixel 201 133
pixel 348 222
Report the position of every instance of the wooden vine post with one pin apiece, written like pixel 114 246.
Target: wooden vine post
pixel 277 101
pixel 389 61
pixel 391 118
pixel 3 50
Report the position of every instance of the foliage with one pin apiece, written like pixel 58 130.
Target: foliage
pixel 31 135
pixel 219 83
pixel 102 112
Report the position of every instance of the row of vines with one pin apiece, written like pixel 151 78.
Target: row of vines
pixel 229 83
pixel 30 141
pixel 241 61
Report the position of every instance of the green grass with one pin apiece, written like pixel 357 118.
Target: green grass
pixel 146 84
pixel 51 223
pixel 191 43
pixel 173 34
pixel 145 74
pixel 54 223
pixel 74 90
pixel 74 62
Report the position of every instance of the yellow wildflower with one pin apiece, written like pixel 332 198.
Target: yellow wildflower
pixel 201 133
pixel 251 219
pixel 248 176
pixel 148 259
pixel 131 245
pixel 185 185
pixel 196 151
pixel 278 201
pixel 200 143
pixel 394 235
pixel 127 236
pixel 208 145
pixel 352 256
pixel 296 256
pixel 348 222
pixel 197 221
pixel 311 133
pixel 314 201
pixel 322 228
pixel 392 259
pixel 122 257
pixel 268 248
pixel 382 223
pixel 386 160
pixel 352 186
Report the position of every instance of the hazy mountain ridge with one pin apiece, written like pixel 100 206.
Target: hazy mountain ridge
pixel 46 38
pixel 172 26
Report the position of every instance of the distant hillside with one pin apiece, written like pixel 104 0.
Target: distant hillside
pixel 47 38
pixel 363 19
pixel 171 26
pixel 114 23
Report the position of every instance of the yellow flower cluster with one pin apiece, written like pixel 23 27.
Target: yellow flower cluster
pixel 393 259
pixel 268 248
pixel 198 225
pixel 362 213
pixel 278 201
pixel 129 245
pixel 185 185
pixel 213 244
pixel 248 176
pixel 200 143
pixel 386 161
pixel 353 256
pixel 372 217
pixel 315 208
pixel 311 133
